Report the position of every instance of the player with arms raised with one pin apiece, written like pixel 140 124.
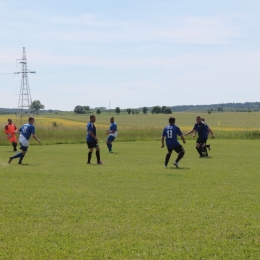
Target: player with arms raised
pixel 171 132
pixel 26 131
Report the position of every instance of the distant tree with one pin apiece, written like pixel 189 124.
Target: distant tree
pixel 36 106
pixel 133 111
pixel 98 111
pixel 156 110
pixel 86 108
pixel 145 109
pixel 129 110
pixel 78 109
pixel 166 110
pixel 137 111
pixel 118 110
pixel 219 109
pixel 209 111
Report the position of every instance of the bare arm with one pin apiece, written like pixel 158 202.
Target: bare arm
pixel 162 140
pixel 35 137
pixel 183 139
pixel 191 131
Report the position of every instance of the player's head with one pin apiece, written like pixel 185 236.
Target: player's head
pixel 92 118
pixel 202 119
pixel 31 120
pixel 112 119
pixel 198 119
pixel 172 120
pixel 10 120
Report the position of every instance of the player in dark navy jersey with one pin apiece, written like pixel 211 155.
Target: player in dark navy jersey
pixel 171 133
pixel 202 129
pixel 92 140
pixel 26 131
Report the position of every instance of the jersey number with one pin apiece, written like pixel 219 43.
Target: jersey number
pixel 24 129
pixel 169 133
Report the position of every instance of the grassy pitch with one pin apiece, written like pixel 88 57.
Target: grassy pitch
pixel 57 207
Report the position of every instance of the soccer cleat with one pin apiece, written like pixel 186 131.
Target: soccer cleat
pixel 176 164
pixel 100 162
pixel 10 160
pixel 88 163
pixel 165 166
pixel 208 146
pixel 110 151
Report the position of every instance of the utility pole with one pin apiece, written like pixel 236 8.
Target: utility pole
pixel 25 99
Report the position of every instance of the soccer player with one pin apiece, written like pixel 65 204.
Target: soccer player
pixel 26 131
pixel 112 132
pixel 92 140
pixel 202 129
pixel 209 131
pixel 11 130
pixel 171 132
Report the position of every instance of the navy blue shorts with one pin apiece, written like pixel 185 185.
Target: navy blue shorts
pixel 23 148
pixel 177 149
pixel 110 138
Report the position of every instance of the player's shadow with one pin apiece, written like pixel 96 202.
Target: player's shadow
pixel 179 169
pixel 27 164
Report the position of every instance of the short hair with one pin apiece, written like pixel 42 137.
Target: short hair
pixel 202 119
pixel 171 120
pixel 30 118
pixel 9 119
pixel 92 116
pixel 198 117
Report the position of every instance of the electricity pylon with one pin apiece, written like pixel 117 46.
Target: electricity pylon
pixel 25 99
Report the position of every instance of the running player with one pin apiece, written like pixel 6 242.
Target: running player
pixel 202 129
pixel 171 132
pixel 11 130
pixel 26 131
pixel 92 140
pixel 112 132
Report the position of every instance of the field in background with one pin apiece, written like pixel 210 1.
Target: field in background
pixel 70 128
pixel 57 207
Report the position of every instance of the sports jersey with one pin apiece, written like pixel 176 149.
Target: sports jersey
pixel 90 128
pixel 171 132
pixel 26 131
pixel 11 130
pixel 202 130
pixel 113 127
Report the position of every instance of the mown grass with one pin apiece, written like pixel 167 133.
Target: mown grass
pixel 57 207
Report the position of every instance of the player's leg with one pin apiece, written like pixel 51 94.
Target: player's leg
pixel 98 154
pixel 168 156
pixel 204 149
pixel 199 149
pixel 110 139
pixel 180 152
pixel 19 155
pixel 90 146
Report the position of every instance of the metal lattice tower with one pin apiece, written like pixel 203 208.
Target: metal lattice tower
pixel 25 99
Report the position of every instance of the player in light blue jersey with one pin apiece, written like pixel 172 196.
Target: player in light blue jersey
pixel 26 131
pixel 112 134
pixel 171 133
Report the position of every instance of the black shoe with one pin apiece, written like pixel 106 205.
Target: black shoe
pixel 15 150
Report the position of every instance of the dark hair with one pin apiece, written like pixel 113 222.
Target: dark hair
pixel 92 116
pixel 30 118
pixel 171 120
pixel 198 117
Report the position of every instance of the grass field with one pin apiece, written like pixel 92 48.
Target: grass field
pixel 57 207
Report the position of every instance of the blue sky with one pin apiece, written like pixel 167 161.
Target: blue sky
pixel 131 53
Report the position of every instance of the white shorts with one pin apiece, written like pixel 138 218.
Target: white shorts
pixel 23 141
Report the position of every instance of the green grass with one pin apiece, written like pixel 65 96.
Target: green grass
pixel 57 207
